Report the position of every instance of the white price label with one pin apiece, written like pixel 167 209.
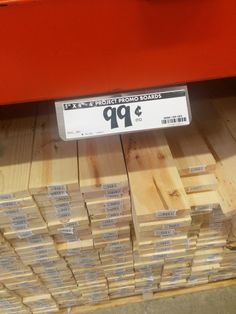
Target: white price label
pixel 110 236
pixel 108 222
pixel 25 234
pixel 6 197
pixel 12 212
pixel 56 188
pixel 112 207
pixel 58 194
pixel 171 225
pixel 115 247
pixel 19 222
pixel 164 243
pixel 66 230
pixel 35 239
pixel 119 113
pixel 63 211
pixel 197 169
pixel 73 251
pixel 111 186
pixel 114 193
pixel 166 213
pixel 164 233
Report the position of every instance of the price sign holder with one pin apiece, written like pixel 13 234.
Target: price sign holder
pixel 123 112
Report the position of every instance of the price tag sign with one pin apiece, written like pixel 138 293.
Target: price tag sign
pixel 121 113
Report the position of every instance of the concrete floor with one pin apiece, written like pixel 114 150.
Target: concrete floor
pixel 218 301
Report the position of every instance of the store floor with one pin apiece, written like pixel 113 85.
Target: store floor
pixel 217 301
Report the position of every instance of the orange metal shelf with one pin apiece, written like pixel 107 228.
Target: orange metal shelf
pixel 56 49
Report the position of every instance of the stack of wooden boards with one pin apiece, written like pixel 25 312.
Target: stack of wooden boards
pixel 104 184
pixel 68 234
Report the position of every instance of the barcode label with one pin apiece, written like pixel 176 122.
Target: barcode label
pixel 5 302
pixel 66 204
pixel 166 213
pixel 63 211
pixel 115 246
pixel 5 197
pixel 60 198
pixel 149 278
pixel 73 224
pixel 70 237
pixel 9 204
pixel 39 248
pixel 114 193
pixel 110 236
pixel 113 214
pixel 21 217
pixel 164 233
pixel 164 243
pixel 25 234
pixel 159 256
pixel 107 222
pixel 173 120
pixel 35 239
pixel 111 186
pixel 171 225
pixel 19 222
pixel 197 169
pixel 12 212
pixel 112 206
pixel 42 252
pixel 212 258
pixel 73 251
pixel 66 230
pixel 58 194
pixel 56 188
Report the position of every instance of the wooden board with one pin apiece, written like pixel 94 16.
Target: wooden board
pixel 191 154
pixel 221 143
pixel 226 190
pixel 101 165
pixel 54 161
pixel 210 199
pixel 226 106
pixel 200 183
pixel 154 180
pixel 15 155
pixel 165 224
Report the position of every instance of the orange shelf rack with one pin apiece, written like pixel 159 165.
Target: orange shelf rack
pixel 65 48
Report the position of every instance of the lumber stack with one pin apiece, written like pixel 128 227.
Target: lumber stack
pixel 206 184
pixel 85 222
pixel 161 211
pixel 21 219
pixel 40 304
pixel 104 184
pixel 54 185
pixel 20 216
pixel 11 302
pixel 54 180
